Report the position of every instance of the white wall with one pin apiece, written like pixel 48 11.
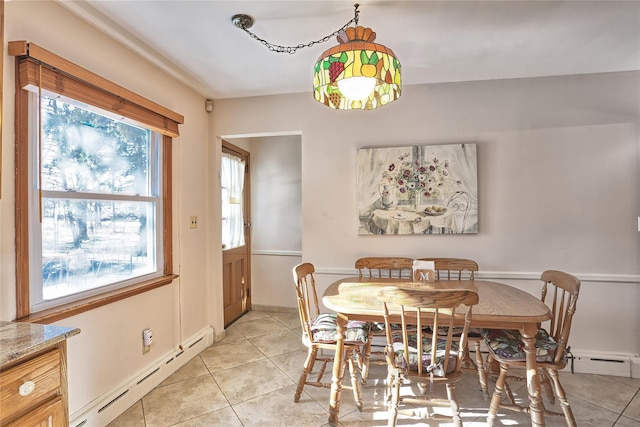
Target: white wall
pixel 276 206
pixel 558 162
pixel 108 351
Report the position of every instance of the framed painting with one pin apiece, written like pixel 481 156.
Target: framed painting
pixel 428 189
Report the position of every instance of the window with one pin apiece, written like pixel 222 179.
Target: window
pixel 100 202
pixel 232 177
pixel 93 197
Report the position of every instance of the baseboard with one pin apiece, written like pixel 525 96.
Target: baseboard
pixel 273 308
pixel 110 405
pixel 601 363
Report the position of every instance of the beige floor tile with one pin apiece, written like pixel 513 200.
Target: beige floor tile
pixel 226 356
pixel 278 409
pixel 371 392
pixel 291 363
pixel 222 417
pixel 192 369
pixel 290 320
pixel 132 417
pixel 633 410
pixel 252 315
pixel 605 392
pixel 231 334
pixel 254 379
pixel 627 422
pixel 277 343
pixel 635 382
pixel 256 328
pixel 586 413
pixel 182 401
pixel 376 414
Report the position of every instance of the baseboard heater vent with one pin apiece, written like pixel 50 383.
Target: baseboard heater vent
pixel 196 342
pixel 601 364
pixel 147 376
pixel 113 400
pixel 597 359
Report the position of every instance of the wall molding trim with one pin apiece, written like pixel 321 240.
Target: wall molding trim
pixel 270 252
pixel 511 275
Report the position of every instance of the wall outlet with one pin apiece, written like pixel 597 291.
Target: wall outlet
pixel 147 340
pixel 193 221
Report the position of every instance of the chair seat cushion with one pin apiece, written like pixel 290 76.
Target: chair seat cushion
pixel 398 349
pixel 324 330
pixel 507 345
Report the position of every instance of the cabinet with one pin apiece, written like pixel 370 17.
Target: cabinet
pixel 33 383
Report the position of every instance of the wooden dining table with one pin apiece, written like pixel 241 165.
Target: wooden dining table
pixel 500 306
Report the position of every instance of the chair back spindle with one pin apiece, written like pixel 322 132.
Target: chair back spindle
pixel 453 268
pixel 384 267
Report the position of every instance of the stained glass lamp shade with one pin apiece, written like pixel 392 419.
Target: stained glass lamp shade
pixel 357 74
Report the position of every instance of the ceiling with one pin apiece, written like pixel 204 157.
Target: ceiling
pixel 435 41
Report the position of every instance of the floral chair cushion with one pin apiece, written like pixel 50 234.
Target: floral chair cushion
pixel 398 349
pixel 324 330
pixel 507 344
pixel 457 331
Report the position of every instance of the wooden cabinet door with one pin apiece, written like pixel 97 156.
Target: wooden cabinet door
pixel 48 415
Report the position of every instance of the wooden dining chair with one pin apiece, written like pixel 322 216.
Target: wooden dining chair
pixel 381 268
pixel 464 269
pixel 424 359
pixel 319 333
pixel 384 267
pixel 560 291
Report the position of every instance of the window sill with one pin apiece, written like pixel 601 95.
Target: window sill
pixel 77 307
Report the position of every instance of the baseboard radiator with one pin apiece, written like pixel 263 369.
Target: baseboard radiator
pixel 107 408
pixel 620 365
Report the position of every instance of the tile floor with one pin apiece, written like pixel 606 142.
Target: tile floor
pixel 249 379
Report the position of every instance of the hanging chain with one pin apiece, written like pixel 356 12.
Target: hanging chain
pixel 292 49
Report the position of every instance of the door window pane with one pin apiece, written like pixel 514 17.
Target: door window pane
pixel 232 175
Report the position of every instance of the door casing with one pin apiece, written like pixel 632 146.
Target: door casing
pixel 236 262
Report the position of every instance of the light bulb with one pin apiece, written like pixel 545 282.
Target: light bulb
pixel 357 88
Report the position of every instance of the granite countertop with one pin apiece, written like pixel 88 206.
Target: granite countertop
pixel 19 339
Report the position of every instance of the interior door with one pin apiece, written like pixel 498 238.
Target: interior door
pixel 236 232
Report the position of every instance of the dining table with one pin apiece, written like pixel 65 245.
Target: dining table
pixel 500 306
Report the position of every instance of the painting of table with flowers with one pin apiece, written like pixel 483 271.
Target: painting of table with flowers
pixel 427 189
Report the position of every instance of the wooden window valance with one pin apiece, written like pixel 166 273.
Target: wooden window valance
pixel 39 69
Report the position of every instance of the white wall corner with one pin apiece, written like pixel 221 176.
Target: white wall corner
pixel 635 366
pixel 217 336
